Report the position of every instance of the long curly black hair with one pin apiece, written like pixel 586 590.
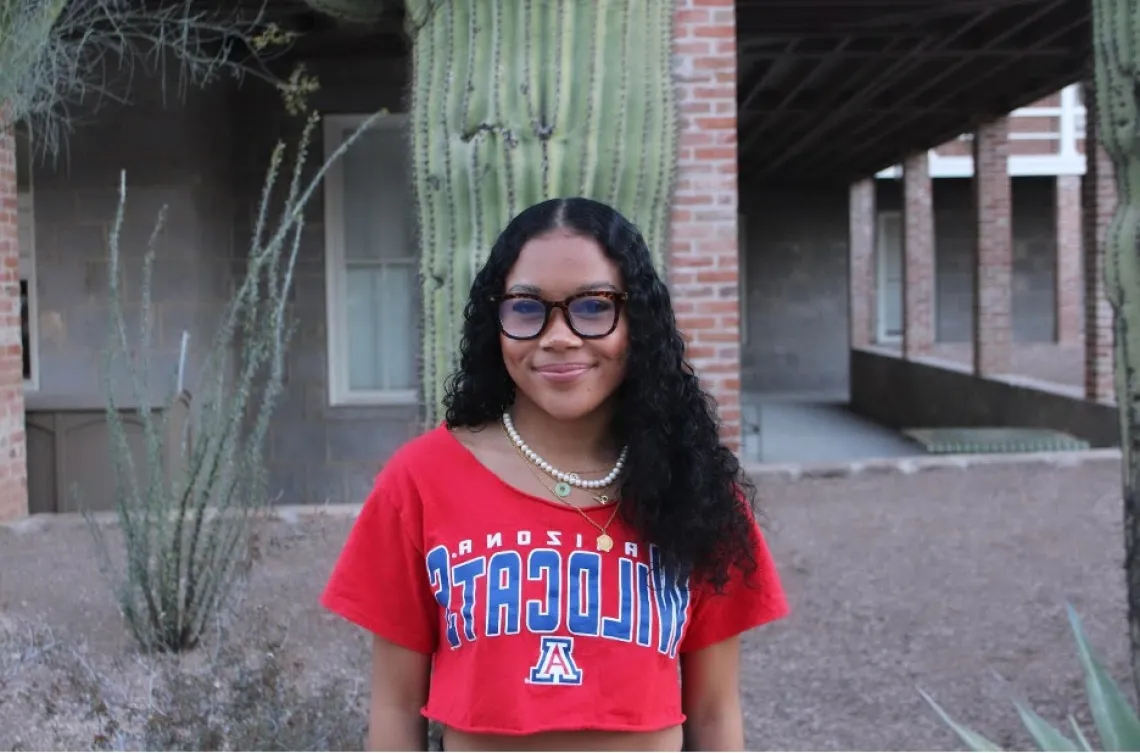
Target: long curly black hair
pixel 680 487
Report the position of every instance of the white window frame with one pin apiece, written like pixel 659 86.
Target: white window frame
pixel 881 334
pixel 336 286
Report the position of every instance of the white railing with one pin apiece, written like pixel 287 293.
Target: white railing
pixel 1063 158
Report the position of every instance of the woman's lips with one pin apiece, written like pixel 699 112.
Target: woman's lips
pixel 562 372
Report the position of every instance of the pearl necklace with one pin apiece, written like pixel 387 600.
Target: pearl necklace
pixel 565 480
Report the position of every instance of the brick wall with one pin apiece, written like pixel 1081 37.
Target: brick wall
pixel 993 288
pixel 1069 277
pixel 918 257
pixel 703 263
pixel 13 467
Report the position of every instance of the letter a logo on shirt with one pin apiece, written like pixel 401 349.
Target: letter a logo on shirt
pixel 556 662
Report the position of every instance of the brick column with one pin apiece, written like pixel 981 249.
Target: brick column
pixel 918 257
pixel 13 463
pixel 1098 200
pixel 704 265
pixel 993 250
pixel 861 267
pixel 1067 295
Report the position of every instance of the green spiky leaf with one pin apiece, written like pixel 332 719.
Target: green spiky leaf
pixel 968 736
pixel 1116 722
pixel 1044 734
pixel 1079 734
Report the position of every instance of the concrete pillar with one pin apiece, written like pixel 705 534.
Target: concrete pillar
pixel 918 257
pixel 993 250
pixel 704 263
pixel 861 241
pixel 1067 295
pixel 13 450
pixel 1098 200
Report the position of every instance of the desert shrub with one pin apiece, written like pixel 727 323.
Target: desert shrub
pixel 247 692
pixel 263 704
pixel 185 510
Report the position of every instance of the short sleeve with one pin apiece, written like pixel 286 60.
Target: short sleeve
pixel 743 604
pixel 380 580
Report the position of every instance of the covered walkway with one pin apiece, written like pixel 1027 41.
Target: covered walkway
pixel 816 428
pixel 840 107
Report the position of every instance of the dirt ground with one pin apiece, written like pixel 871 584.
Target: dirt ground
pixel 950 580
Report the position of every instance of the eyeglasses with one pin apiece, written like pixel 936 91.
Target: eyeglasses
pixel 591 315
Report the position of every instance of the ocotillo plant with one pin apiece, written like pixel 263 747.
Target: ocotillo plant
pixel 513 102
pixel 1116 29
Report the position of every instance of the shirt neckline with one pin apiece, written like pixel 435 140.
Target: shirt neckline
pixel 478 464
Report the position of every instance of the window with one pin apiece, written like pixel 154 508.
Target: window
pixel 26 238
pixel 889 277
pixel 371 265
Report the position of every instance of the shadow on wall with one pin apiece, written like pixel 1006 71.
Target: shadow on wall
pixel 900 393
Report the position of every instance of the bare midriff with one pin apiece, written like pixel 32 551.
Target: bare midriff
pixel 664 740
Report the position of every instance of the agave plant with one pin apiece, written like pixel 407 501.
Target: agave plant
pixel 1115 720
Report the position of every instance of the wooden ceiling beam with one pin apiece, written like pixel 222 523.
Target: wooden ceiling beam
pixel 834 120
pixel 758 129
pixel 882 131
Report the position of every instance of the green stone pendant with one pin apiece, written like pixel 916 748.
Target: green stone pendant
pixel 562 489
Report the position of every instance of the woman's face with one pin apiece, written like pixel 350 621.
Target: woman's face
pixel 562 373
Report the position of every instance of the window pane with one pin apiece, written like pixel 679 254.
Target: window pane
pixel 363 328
pixel 377 197
pixel 398 325
pixel 891 250
pixel 381 327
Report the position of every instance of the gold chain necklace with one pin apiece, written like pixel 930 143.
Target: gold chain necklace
pixel 604 542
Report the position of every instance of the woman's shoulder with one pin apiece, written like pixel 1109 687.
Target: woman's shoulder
pixel 426 472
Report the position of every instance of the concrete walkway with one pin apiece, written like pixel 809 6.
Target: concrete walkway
pixel 815 429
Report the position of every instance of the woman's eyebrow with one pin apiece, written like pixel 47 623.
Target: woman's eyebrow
pixel 535 290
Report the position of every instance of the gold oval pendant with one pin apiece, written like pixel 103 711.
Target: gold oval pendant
pixel 605 543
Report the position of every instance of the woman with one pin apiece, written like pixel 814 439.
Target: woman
pixel 535 570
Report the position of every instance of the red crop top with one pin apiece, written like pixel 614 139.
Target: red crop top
pixel 531 629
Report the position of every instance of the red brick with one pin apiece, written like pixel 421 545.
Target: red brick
pixel 1069 277
pixel 703 229
pixel 690 19
pixel 993 242
pixel 13 464
pixel 918 257
pixel 715 31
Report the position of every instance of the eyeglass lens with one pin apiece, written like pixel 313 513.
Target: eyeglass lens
pixel 590 316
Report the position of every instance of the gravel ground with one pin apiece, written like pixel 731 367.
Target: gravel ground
pixel 950 580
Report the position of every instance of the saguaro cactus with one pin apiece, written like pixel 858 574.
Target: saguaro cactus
pixel 516 101
pixel 1116 57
